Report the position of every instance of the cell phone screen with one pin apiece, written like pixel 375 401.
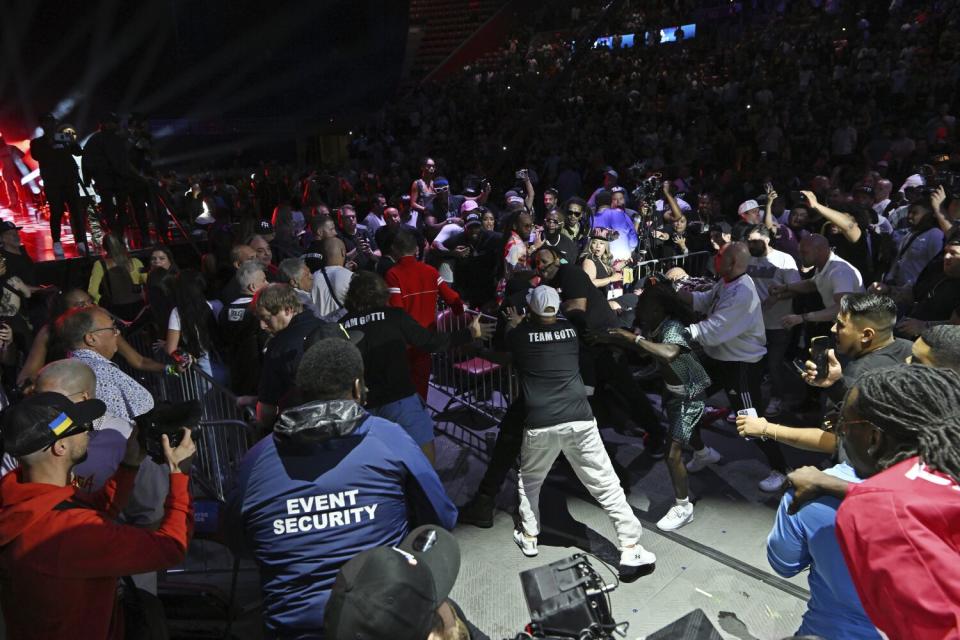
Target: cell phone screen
pixel 818 354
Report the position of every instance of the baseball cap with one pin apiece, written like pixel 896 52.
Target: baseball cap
pixel 441 183
pixel 394 592
pixel 264 227
pixel 914 181
pixel 611 172
pixel 747 205
pixel 472 220
pixel 543 300
pixel 468 206
pixel 6 225
pixel 514 200
pixel 41 419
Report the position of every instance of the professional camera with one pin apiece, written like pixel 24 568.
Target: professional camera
pixel 166 418
pixel 65 136
pixel 941 174
pixel 648 190
pixel 568 599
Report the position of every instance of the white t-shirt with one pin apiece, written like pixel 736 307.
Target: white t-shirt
pixel 448 231
pixel 173 323
pixel 775 268
pixel 340 279
pixel 837 276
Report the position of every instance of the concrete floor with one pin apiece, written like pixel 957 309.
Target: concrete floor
pixel 717 563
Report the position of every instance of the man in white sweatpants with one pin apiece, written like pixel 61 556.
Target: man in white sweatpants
pixel 545 353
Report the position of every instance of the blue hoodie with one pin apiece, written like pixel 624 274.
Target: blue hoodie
pixel 331 482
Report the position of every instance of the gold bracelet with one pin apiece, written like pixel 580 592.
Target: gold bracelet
pixel 763 434
pixel 774 434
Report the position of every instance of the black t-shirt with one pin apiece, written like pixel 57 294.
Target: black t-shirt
pixel 20 265
pixel 547 358
pixel 938 301
pixel 566 247
pixel 891 355
pixel 573 282
pixel 856 253
pixel 243 345
pixel 386 333
pixel 279 371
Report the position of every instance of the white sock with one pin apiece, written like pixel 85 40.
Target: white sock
pixel 701 452
pixel 683 502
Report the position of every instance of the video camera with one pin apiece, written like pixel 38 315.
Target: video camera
pixel 166 418
pixel 568 599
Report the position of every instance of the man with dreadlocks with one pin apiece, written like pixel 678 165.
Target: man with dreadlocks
pixel 900 429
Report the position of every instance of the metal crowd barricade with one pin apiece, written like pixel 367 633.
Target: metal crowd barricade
pixel 223 435
pixel 470 381
pixel 695 264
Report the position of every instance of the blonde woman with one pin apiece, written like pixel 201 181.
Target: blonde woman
pixel 597 261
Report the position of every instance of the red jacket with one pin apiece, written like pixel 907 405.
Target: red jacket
pixel 62 554
pixel 900 536
pixel 414 287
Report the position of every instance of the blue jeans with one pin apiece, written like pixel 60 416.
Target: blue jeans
pixel 411 414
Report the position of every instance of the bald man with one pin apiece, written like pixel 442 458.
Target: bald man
pixel 734 343
pixel 330 283
pixel 108 444
pixel 834 278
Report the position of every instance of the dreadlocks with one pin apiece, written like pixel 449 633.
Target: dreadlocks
pixel 918 409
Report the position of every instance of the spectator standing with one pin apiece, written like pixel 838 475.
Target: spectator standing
pixel 243 341
pixel 55 151
pixel 117 279
pixel 191 327
pixel 416 287
pixel 546 352
pixel 918 248
pixel 771 268
pixel 734 344
pixel 331 482
pixel 283 317
pixel 422 191
pixel 332 281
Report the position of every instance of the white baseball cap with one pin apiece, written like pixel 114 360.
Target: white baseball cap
pixel 543 300
pixel 747 206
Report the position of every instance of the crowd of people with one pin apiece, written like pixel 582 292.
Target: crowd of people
pixel 719 216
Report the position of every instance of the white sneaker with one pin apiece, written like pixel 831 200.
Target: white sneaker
pixel 527 544
pixel 773 482
pixel 58 250
pixel 633 561
pixel 774 407
pixel 701 459
pixel 678 516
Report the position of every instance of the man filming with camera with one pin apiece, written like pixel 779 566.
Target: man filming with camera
pixel 55 151
pixel 62 551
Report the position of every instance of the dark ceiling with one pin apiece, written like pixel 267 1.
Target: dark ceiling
pixel 199 59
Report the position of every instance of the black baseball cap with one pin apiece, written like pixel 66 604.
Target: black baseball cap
pixel 264 227
pixel 472 220
pixel 6 225
pixel 394 592
pixel 41 419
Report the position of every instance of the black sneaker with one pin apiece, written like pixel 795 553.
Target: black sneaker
pixel 654 447
pixel 478 512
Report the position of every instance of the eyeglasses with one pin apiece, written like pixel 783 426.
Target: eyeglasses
pixel 113 327
pixel 575 212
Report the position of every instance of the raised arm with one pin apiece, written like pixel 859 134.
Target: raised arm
pixel 845 222
pixel 674 214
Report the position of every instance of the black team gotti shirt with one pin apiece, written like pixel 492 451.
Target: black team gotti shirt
pixel 547 358
pixel 386 333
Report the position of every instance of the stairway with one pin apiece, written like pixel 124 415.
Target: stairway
pixel 446 24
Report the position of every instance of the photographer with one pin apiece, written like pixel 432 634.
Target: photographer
pixel 62 550
pixel 107 163
pixel 55 151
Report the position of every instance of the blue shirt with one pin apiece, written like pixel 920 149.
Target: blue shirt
pixel 807 539
pixel 621 248
pixel 305 509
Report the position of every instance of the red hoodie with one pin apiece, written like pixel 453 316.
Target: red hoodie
pixel 61 554
pixel 900 534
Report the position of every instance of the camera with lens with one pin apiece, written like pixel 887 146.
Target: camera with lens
pixel 65 136
pixel 521 174
pixel 648 190
pixel 169 419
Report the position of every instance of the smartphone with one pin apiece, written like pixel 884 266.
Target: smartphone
pixel 749 411
pixel 818 354
pixel 799 366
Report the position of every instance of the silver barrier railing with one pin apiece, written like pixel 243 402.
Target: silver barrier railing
pixel 695 264
pixel 469 380
pixel 223 435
